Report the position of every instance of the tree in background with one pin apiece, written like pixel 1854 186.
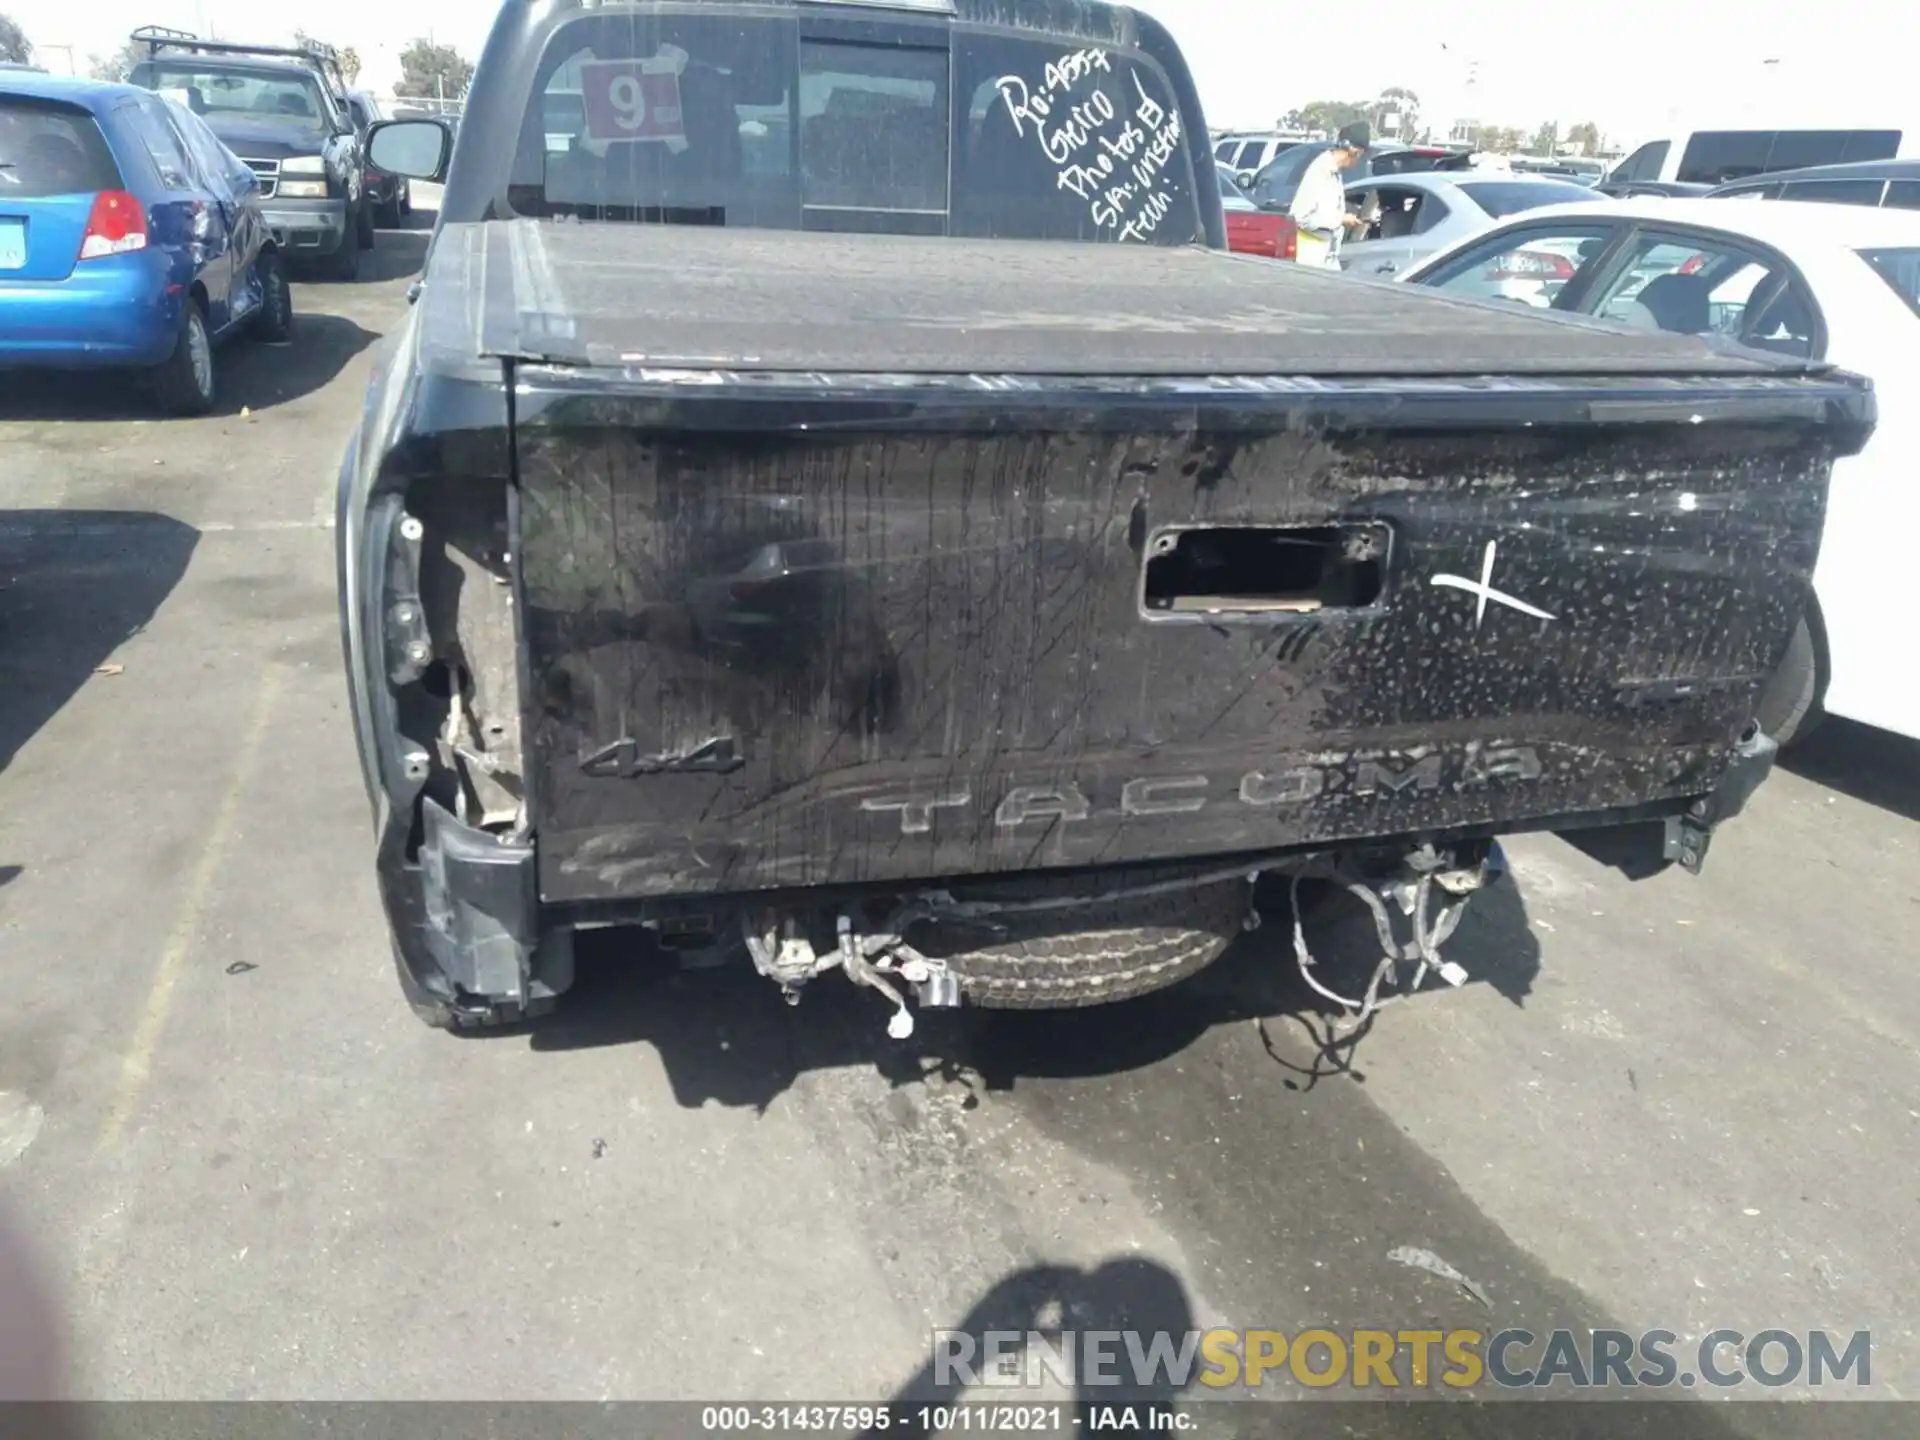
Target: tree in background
pixel 14 45
pixel 1546 140
pixel 428 70
pixel 1496 139
pixel 1399 102
pixel 1329 117
pixel 118 65
pixel 1586 136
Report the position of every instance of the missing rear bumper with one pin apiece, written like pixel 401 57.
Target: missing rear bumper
pixel 1642 846
pixel 1687 837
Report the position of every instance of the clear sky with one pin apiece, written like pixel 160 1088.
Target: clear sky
pixel 1637 67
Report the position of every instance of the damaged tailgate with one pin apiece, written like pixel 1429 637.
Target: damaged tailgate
pixel 854 559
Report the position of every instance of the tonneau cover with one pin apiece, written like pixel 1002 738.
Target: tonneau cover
pixel 678 297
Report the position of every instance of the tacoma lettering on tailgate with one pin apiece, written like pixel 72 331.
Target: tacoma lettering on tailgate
pixel 1358 774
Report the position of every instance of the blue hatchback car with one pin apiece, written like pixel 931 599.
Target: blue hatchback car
pixel 130 237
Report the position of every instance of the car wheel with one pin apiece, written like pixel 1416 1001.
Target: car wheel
pixel 184 381
pixel 406 198
pixel 273 321
pixel 344 263
pixel 388 214
pixel 1789 707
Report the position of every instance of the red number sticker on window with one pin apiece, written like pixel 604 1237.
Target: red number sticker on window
pixel 635 100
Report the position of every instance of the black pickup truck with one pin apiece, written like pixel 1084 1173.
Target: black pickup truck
pixel 837 502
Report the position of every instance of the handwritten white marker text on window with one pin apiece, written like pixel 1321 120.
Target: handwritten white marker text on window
pixel 1116 162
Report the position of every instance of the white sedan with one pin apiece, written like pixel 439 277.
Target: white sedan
pixel 1410 217
pixel 1824 282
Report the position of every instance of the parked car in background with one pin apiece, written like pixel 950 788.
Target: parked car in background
pixel 1275 186
pixel 130 238
pixel 448 115
pixel 1816 282
pixel 279 109
pixel 1247 154
pixel 1714 157
pixel 390 196
pixel 1643 189
pixel 1395 159
pixel 1411 216
pixel 1562 167
pixel 1893 183
pixel 1251 230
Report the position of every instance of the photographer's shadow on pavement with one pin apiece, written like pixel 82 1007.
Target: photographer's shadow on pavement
pixel 74 586
pixel 725 1035
pixel 1043 1319
pixel 1053 1303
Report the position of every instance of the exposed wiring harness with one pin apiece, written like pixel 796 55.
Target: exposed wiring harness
pixel 1423 949
pixel 1424 871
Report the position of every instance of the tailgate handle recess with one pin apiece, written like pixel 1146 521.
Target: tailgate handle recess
pixel 1228 571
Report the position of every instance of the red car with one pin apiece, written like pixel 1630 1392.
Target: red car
pixel 1251 230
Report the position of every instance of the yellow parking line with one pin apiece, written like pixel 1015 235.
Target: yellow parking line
pixel 186 926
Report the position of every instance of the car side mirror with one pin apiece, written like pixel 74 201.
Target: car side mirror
pixel 414 149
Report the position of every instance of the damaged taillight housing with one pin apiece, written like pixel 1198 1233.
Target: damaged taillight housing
pixel 442 633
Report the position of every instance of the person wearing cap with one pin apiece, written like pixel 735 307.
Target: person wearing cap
pixel 1319 210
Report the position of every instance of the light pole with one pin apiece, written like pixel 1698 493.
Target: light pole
pixel 1466 106
pixel 1766 102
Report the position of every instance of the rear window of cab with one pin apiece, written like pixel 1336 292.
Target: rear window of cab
pixel 907 128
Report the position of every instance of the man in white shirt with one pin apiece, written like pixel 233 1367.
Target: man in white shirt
pixel 1319 208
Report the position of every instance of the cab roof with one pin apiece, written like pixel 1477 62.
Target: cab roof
pixel 1093 20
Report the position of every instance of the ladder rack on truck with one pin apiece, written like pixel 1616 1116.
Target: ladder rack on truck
pixel 323 59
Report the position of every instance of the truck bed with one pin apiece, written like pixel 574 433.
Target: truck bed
pixel 693 297
pixel 853 560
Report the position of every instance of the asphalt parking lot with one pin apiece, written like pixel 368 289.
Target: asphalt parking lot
pixel 243 1170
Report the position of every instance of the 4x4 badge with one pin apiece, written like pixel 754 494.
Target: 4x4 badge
pixel 622 760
